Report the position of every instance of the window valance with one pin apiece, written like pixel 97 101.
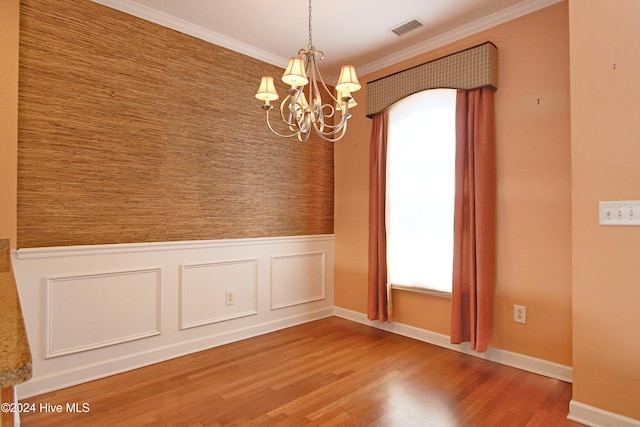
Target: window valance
pixel 468 69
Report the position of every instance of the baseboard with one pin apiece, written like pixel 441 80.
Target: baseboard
pixel 596 417
pixel 70 377
pixel 520 361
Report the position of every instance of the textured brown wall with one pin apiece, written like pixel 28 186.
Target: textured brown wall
pixel 131 132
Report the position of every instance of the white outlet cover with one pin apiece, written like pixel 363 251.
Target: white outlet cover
pixel 520 314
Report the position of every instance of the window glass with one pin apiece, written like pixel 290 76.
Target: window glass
pixel 420 190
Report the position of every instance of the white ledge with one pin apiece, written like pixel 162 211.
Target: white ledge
pixel 119 248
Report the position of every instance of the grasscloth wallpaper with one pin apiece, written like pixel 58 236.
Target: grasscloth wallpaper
pixel 131 132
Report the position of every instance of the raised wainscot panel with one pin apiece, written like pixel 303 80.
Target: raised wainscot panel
pixel 218 291
pixel 86 312
pixel 297 279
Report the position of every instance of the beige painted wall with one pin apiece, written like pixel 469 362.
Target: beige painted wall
pixel 605 145
pixel 534 193
pixel 9 32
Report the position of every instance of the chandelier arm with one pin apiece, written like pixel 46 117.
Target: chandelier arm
pixel 313 88
pixel 343 119
pixel 304 123
pixel 282 109
pixel 316 71
pixel 323 135
pixel 317 115
pixel 304 137
pixel 333 129
pixel 293 120
pixel 278 133
pixel 297 113
pixel 318 123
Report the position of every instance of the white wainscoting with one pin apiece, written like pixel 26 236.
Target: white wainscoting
pixel 87 312
pixel 94 311
pixel 205 287
pixel 289 272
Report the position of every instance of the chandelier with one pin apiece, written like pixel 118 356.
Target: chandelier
pixel 303 109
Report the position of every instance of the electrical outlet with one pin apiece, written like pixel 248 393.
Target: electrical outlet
pixel 229 298
pixel 519 313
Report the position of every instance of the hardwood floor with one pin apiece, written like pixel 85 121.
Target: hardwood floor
pixel 330 372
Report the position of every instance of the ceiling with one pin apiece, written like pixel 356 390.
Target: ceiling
pixel 356 32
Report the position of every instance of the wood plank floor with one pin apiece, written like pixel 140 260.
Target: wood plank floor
pixel 330 372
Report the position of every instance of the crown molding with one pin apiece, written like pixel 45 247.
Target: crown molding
pixel 191 29
pixel 505 15
pixel 459 33
pixel 523 8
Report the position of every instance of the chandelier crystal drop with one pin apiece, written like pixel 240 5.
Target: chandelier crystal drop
pixel 303 109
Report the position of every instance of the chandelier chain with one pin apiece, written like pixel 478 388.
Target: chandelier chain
pixel 310 41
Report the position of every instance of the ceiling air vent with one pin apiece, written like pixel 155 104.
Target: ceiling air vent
pixel 407 26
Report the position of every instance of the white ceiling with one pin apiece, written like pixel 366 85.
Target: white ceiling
pixel 355 32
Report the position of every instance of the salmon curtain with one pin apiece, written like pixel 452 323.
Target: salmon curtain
pixel 378 306
pixel 474 219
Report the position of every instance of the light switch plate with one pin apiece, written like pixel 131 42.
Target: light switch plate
pixel 620 212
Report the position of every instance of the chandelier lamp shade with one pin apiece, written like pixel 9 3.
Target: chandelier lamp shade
pixel 303 110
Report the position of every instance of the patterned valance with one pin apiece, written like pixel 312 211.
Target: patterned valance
pixel 469 69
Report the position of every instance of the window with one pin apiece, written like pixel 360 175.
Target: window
pixel 420 190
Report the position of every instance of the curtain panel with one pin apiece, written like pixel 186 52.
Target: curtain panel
pixel 379 303
pixel 474 219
